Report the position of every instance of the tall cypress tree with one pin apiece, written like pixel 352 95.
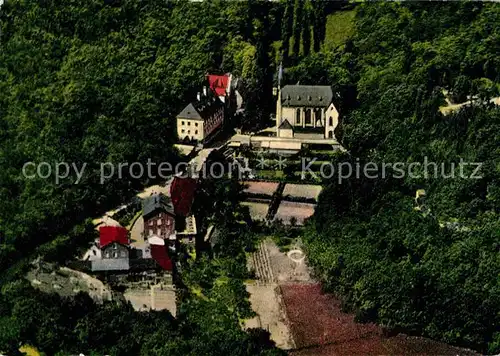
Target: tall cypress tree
pixel 306 29
pixel 297 26
pixel 319 23
pixel 318 20
pixel 286 29
pixel 260 87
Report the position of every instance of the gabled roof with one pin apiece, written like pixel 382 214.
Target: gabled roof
pixel 306 95
pixel 110 234
pixel 156 203
pixel 202 109
pixel 285 125
pixel 218 83
pixel 190 112
pixel 182 191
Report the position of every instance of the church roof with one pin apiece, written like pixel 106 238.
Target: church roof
pixel 306 95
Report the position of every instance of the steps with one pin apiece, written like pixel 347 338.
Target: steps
pixel 262 265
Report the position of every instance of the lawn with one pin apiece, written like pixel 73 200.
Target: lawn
pixel 339 27
pixel 268 174
pixel 258 211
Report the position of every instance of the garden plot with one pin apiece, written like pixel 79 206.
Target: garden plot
pixel 258 211
pixel 291 210
pixel 302 191
pixel 260 188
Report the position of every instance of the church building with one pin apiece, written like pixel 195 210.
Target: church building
pixel 306 108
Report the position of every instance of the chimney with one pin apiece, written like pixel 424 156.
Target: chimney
pixel 198 96
pixel 204 91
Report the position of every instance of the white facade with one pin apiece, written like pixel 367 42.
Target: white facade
pixel 307 116
pixel 194 129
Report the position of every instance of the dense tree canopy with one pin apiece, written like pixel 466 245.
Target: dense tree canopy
pixel 102 81
pixel 94 82
pixel 430 267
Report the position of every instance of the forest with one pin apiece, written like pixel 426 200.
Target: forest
pixel 432 266
pixel 102 81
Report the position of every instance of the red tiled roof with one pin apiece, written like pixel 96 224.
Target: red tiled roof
pixel 182 192
pixel 110 234
pixel 160 255
pixel 218 83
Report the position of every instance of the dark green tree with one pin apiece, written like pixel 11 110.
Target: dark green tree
pixel 287 30
pixel 298 23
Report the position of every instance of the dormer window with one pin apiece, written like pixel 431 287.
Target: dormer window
pixel 298 97
pixel 320 98
pixel 288 97
pixel 309 97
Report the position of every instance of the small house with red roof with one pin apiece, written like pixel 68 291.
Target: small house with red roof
pixel 114 247
pixel 229 90
pixel 220 85
pixel 113 234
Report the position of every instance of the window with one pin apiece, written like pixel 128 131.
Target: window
pixel 189 131
pixel 330 121
pixel 317 117
pixel 297 116
pixel 151 222
pixel 151 232
pixel 196 132
pixel 168 222
pixel 115 254
pixel 189 123
pixel 107 254
pixel 159 222
pixel 159 232
pixel 183 123
pixel 196 124
pixel 308 117
pixel 182 130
